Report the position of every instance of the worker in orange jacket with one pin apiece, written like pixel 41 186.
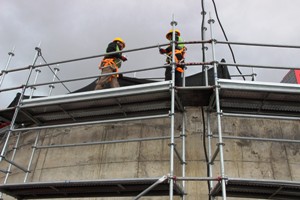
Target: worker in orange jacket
pixel 180 50
pixel 111 63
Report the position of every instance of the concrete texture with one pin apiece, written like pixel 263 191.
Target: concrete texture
pixel 243 158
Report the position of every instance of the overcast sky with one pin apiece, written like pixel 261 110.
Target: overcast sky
pixel 69 29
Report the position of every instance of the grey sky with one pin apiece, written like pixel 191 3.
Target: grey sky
pixel 70 29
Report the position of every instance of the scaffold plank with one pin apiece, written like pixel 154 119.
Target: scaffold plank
pixel 261 189
pixel 89 188
pixel 259 98
pixel 115 103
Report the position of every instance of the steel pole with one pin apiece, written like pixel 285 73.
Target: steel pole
pixel 32 155
pixel 17 109
pixel 183 135
pixel 51 86
pixel 220 144
pixel 33 88
pixel 10 55
pixel 171 175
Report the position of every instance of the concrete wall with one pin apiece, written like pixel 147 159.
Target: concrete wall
pixel 243 158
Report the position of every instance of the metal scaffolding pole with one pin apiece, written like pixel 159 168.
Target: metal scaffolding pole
pixel 10 55
pixel 38 71
pixel 259 44
pixel 17 109
pixel 12 158
pixel 34 147
pixel 92 122
pixel 220 144
pixel 183 135
pixel 260 139
pixel 106 142
pixel 51 86
pixel 172 144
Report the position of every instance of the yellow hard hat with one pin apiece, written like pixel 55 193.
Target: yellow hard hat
pixel 119 40
pixel 171 31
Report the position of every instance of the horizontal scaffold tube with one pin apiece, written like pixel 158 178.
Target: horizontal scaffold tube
pixel 107 74
pixel 260 66
pixel 105 142
pixel 91 122
pixel 85 78
pixel 259 44
pixel 100 55
pixel 259 139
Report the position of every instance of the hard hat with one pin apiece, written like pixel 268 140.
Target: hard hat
pixel 171 31
pixel 119 40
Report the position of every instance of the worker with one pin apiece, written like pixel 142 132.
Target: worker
pixel 180 50
pixel 111 63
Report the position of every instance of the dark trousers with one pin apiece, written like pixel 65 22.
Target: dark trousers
pixel 178 78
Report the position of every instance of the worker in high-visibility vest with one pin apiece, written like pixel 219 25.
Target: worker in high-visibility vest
pixel 180 50
pixel 111 63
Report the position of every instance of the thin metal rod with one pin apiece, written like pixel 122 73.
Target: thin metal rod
pixel 183 140
pixel 262 66
pixel 178 155
pixel 222 168
pixel 105 142
pixel 87 58
pixel 172 144
pixel 14 164
pixel 196 179
pixel 259 44
pixel 90 77
pixel 12 157
pixel 32 155
pixel 159 181
pixel 259 116
pixel 92 122
pixel 215 155
pixel 17 110
pixel 34 82
pixel 51 86
pixel 155 46
pixel 260 139
pixel 10 55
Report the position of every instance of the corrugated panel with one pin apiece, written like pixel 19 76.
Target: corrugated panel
pixel 260 98
pixel 140 100
pixel 261 189
pixel 93 188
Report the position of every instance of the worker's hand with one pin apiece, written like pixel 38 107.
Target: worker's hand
pixel 162 51
pixel 123 58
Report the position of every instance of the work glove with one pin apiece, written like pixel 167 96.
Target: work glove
pixel 123 58
pixel 162 51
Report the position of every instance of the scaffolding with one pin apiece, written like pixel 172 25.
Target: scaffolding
pixel 230 98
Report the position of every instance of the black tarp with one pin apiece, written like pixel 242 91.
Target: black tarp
pixel 193 80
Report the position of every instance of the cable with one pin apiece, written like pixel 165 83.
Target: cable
pixel 233 57
pixel 205 150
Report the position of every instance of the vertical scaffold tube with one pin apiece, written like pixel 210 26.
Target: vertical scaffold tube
pixel 51 86
pixel 12 124
pixel 10 55
pixel 34 147
pixel 220 143
pixel 173 24
pixel 12 158
pixel 183 135
pixel 33 88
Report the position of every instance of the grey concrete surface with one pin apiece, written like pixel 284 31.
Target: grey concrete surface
pixel 243 158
